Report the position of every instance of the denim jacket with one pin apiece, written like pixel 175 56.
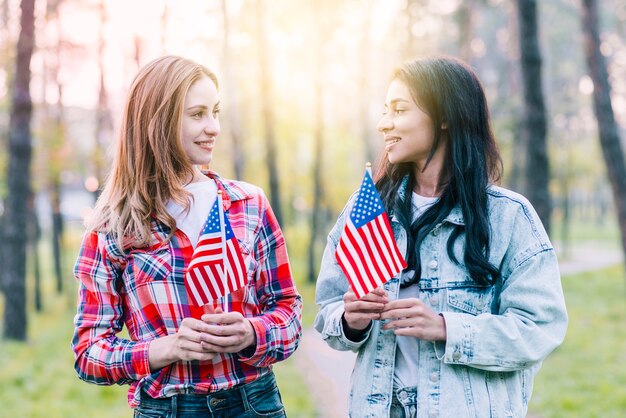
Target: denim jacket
pixel 497 336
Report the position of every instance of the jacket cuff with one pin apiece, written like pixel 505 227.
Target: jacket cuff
pixel 336 329
pixel 459 339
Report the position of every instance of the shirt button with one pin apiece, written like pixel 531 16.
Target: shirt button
pixel 434 377
pixel 433 264
pixel 435 231
pixel 432 413
pixel 434 301
pixel 456 355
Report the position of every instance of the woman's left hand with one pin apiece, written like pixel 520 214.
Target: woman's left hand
pixel 412 317
pixel 228 332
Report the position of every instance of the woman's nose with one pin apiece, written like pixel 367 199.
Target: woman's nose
pixel 384 124
pixel 212 126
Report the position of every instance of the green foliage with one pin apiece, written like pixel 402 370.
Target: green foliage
pixel 586 377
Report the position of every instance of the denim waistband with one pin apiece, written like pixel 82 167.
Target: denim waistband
pixel 213 401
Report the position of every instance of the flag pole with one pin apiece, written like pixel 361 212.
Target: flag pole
pixel 368 168
pixel 220 207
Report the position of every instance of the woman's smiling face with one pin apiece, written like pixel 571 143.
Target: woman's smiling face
pixel 407 130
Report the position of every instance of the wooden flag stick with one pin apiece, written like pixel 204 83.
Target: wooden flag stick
pixel 368 168
pixel 220 207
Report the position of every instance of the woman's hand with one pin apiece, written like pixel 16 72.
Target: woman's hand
pixel 414 318
pixel 227 332
pixel 185 345
pixel 359 313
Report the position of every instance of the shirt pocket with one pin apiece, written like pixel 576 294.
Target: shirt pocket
pixel 469 297
pixel 151 289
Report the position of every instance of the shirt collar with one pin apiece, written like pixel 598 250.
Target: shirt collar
pixel 231 190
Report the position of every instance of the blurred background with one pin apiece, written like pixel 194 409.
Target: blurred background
pixel 302 86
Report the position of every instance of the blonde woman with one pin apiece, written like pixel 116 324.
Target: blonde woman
pixel 131 268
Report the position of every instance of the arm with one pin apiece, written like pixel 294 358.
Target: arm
pixel 333 294
pixel 278 329
pixel 100 356
pixel 531 319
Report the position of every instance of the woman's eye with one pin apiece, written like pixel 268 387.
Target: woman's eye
pixel 197 115
pixel 216 112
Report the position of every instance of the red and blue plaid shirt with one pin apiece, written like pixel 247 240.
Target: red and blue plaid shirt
pixel 144 290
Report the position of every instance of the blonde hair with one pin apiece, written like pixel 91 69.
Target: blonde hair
pixel 150 165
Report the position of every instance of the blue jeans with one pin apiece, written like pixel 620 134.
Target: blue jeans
pixel 404 403
pixel 259 398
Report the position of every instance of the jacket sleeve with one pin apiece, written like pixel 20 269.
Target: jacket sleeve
pixel 278 329
pixel 100 356
pixel 330 288
pixel 531 319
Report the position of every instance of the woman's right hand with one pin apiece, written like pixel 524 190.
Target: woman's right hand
pixel 359 313
pixel 185 345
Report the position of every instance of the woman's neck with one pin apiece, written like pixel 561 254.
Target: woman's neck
pixel 198 175
pixel 428 181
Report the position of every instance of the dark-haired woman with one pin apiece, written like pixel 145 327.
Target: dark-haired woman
pixel 462 331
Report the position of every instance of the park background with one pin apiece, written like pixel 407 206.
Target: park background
pixel 302 86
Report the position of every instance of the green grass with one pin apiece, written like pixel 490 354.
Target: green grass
pixel 586 376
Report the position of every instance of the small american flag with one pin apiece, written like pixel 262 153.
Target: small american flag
pixel 367 251
pixel 207 279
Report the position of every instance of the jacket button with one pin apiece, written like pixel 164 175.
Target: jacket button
pixel 433 264
pixel 434 301
pixel 456 355
pixel 434 377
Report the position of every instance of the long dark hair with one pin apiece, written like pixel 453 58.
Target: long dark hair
pixel 450 93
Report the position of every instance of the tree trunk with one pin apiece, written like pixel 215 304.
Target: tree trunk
pixel 364 94
pixel 18 179
pixel 268 115
pixel 234 121
pixel 609 137
pixel 104 123
pixel 535 126
pixel 318 158
pixel 34 235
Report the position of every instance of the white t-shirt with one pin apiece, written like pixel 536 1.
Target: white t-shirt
pixel 191 223
pixel 407 348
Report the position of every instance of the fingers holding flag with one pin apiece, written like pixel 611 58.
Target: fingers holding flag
pixel 358 313
pixel 227 332
pixel 185 345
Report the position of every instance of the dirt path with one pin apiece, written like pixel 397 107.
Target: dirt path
pixel 327 372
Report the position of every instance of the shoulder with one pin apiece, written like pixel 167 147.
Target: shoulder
pixel 500 199
pixel 511 211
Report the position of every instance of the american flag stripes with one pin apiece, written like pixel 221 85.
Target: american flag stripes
pixel 367 251
pixel 217 266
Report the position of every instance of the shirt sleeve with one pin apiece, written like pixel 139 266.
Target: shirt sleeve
pixel 278 329
pixel 100 356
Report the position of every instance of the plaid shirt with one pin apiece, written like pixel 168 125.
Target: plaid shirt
pixel 144 290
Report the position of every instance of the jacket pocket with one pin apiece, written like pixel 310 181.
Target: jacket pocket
pixel 470 299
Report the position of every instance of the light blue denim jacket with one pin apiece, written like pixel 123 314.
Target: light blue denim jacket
pixel 497 336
